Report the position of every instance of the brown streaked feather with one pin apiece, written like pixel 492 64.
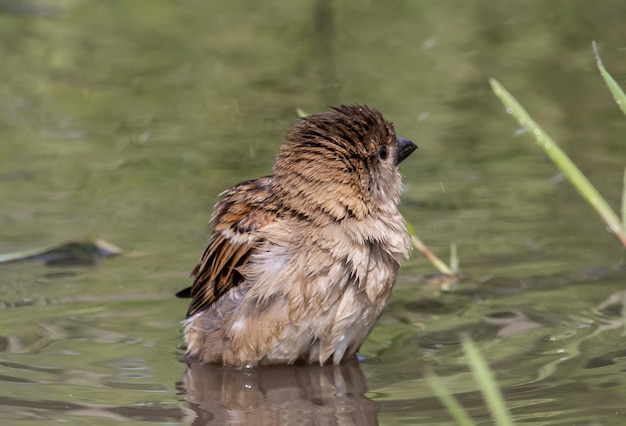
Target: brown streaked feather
pixel 236 218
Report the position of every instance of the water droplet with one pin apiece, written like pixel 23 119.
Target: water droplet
pixel 509 110
pixel 430 43
pixel 521 131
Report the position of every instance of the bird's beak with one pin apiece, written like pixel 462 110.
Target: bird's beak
pixel 404 149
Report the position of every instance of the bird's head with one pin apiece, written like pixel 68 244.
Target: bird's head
pixel 341 163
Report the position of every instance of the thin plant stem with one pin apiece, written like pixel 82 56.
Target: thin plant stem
pixel 562 161
pixel 432 257
pixel 624 203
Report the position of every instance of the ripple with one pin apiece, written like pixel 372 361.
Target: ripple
pixel 440 340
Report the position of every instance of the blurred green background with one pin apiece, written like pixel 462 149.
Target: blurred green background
pixel 125 120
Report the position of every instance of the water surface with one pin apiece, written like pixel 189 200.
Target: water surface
pixel 125 120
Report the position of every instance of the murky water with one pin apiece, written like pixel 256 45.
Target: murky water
pixel 124 120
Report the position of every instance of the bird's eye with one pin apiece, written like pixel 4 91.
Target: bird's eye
pixel 382 153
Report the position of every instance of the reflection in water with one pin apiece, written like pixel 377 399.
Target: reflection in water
pixel 277 395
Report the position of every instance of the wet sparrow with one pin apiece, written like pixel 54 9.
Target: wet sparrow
pixel 300 263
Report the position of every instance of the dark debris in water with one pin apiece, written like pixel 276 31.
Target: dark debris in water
pixel 28 9
pixel 70 253
pixel 610 358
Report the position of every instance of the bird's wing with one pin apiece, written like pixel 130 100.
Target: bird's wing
pixel 236 218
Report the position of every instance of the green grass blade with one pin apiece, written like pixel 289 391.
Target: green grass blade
pixel 562 161
pixel 453 407
pixel 488 386
pixel 624 203
pixel 616 91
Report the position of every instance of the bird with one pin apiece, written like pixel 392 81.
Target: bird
pixel 301 262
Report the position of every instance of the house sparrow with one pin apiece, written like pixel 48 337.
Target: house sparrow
pixel 300 263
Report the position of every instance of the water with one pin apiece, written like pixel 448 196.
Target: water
pixel 125 120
